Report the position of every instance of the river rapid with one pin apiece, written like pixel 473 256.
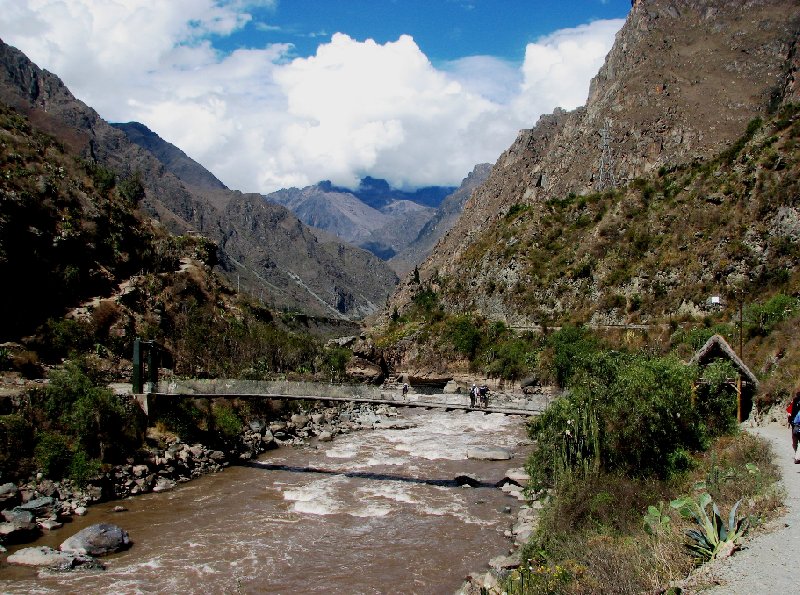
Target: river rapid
pixel 371 512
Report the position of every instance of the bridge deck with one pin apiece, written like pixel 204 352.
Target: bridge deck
pixel 355 399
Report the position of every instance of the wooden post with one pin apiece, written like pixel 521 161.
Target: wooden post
pixel 739 398
pixel 137 366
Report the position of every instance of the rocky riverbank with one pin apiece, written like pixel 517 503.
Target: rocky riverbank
pixel 40 504
pixel 527 518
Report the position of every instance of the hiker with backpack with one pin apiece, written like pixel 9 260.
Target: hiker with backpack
pixel 793 411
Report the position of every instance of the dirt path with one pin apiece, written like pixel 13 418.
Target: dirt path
pixel 770 562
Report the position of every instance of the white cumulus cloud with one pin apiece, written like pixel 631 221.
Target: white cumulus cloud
pixel 261 121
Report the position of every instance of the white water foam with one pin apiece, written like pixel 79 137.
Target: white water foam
pixel 316 497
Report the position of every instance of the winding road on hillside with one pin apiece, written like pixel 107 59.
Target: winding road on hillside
pixel 771 561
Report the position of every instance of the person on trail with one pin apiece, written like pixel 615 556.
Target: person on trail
pixel 792 410
pixel 484 392
pixel 405 389
pixel 473 395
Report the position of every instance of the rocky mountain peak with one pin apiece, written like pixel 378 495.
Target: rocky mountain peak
pixel 680 84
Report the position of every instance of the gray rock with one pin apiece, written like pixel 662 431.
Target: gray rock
pixel 18 532
pixel 267 437
pixel 325 436
pixel 140 470
pixel 18 516
pixel 50 525
pixel 9 494
pixel 317 418
pixel 506 562
pixel 97 540
pixel 46 557
pixel 299 420
pixel 163 484
pixel 395 424
pixel 489 453
pixel 516 476
pixel 256 425
pixel 40 507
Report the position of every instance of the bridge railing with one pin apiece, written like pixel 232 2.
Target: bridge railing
pixel 336 391
pixel 262 387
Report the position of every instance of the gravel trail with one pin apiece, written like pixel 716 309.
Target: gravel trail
pixel 770 562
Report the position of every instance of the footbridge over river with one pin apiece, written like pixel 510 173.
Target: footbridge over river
pixel 499 402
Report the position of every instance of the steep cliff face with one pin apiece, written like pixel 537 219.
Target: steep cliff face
pixel 681 83
pixel 265 249
pixel 445 218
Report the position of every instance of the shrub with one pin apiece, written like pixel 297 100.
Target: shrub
pixel 16 438
pixel 82 468
pixel 464 335
pixel 716 402
pixel 622 413
pixel 513 359
pixel 227 423
pixel 761 319
pixel 89 415
pixel 52 454
pixel 566 349
pixel 63 337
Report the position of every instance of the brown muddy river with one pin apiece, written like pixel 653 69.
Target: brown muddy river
pixel 370 512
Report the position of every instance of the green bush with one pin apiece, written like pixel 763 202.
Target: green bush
pixel 227 423
pixel 625 413
pixel 566 350
pixel 513 359
pixel 16 439
pixel 761 319
pixel 65 337
pixel 52 454
pixel 335 361
pixel 464 335
pixel 716 399
pixel 89 415
pixel 82 468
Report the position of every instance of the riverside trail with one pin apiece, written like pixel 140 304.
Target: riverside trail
pixel 769 562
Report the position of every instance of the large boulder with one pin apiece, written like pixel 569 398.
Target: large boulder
pixel 9 494
pixel 20 527
pixel 300 420
pixel 364 370
pixel 47 557
pixel 43 507
pixel 97 540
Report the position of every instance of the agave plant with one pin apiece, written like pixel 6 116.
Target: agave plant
pixel 715 538
pixel 655 521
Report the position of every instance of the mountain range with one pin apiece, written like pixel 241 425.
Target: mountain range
pixel 263 248
pixel 398 226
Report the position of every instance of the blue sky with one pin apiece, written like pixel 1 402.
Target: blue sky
pixel 269 94
pixel 444 30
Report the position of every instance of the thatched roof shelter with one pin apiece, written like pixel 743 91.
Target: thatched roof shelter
pixel 717 348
